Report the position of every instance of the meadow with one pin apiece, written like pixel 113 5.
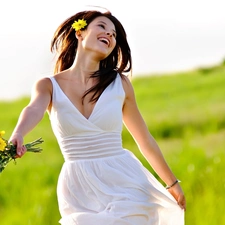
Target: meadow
pixel 185 112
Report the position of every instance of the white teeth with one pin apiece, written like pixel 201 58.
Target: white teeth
pixel 104 40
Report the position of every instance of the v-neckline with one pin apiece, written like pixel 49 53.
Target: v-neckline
pixel 74 106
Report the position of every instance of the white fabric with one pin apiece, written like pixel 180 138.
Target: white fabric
pixel 100 182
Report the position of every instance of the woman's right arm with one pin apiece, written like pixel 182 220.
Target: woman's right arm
pixel 32 114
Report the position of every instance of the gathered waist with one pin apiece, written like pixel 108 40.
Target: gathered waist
pixel 91 147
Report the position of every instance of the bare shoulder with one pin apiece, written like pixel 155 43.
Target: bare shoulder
pixel 127 86
pixel 43 84
pixel 42 87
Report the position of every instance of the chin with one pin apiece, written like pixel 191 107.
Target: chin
pixel 103 56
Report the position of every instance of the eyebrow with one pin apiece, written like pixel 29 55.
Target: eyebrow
pixel 106 24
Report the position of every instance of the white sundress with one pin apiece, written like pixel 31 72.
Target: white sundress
pixel 101 183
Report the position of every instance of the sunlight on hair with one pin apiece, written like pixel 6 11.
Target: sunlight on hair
pixel 94 8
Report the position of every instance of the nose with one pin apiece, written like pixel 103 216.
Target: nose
pixel 109 33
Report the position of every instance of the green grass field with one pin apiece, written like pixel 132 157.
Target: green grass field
pixel 185 113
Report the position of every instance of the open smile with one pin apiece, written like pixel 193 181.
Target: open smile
pixel 104 40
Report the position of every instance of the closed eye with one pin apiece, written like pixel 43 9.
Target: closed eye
pixel 102 26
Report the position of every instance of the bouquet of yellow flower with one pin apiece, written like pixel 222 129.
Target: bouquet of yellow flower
pixel 8 150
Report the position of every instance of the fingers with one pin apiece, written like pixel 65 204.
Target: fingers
pixel 182 202
pixel 17 140
pixel 21 150
pixel 178 194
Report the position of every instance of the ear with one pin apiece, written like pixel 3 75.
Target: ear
pixel 78 34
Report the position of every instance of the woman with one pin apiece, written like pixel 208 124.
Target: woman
pixel 87 100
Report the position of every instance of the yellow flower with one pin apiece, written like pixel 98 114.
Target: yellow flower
pixel 2 133
pixel 2 144
pixel 77 25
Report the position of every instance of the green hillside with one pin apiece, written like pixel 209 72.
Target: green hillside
pixel 185 112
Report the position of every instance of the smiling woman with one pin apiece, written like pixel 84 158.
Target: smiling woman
pixel 88 99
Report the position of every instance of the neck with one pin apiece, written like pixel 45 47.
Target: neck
pixel 84 67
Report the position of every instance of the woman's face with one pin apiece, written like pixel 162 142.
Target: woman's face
pixel 99 37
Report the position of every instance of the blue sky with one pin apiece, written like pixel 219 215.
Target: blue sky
pixel 164 36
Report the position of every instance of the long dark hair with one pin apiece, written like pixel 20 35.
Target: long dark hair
pixel 64 43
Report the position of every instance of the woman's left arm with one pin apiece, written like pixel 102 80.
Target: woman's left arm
pixel 136 125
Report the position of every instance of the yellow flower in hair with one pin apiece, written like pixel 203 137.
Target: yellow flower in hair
pixel 77 25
